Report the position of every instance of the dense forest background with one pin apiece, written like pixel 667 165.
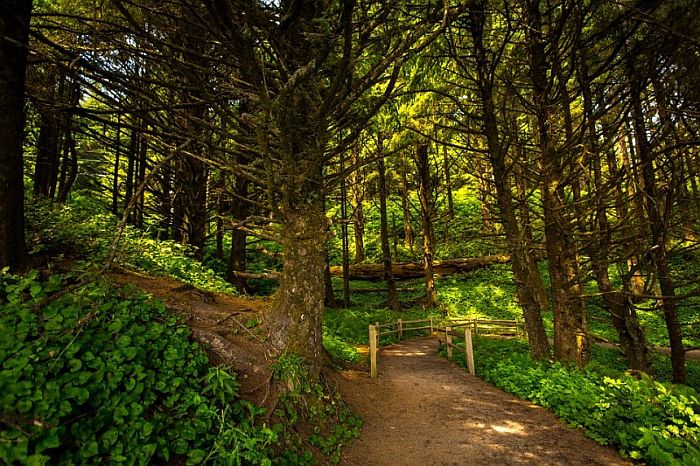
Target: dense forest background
pixel 287 147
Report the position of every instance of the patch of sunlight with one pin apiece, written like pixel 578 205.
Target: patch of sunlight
pixel 509 427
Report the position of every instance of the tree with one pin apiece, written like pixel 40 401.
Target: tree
pixel 14 38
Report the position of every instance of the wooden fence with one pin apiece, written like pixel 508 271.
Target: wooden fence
pixel 447 327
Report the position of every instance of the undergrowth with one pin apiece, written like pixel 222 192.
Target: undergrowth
pixel 102 375
pixel 311 416
pixel 83 228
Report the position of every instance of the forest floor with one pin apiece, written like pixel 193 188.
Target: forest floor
pixel 424 410
pixel 421 410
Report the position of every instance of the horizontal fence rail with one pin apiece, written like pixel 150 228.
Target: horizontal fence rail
pixel 446 327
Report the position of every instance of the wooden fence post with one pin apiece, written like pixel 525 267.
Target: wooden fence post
pixel 469 350
pixel 400 322
pixel 448 340
pixel 431 325
pixel 373 350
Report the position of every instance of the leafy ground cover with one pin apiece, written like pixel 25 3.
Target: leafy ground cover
pixel 83 229
pixel 108 375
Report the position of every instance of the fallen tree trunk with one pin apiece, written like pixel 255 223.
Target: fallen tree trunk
pixel 408 270
pixel 379 290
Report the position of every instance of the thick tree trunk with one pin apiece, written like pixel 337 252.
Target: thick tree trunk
pixel 14 36
pixel 392 298
pixel 295 321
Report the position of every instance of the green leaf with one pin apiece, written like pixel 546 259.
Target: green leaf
pixel 196 457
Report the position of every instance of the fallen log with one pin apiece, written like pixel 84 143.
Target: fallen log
pixel 408 270
pixel 266 275
pixel 378 290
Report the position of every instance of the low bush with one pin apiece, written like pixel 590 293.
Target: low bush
pixel 99 375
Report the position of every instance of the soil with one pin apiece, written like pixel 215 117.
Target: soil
pixel 423 410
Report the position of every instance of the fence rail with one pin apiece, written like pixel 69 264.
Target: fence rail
pixel 447 327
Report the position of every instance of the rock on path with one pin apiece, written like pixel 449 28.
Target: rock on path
pixel 425 411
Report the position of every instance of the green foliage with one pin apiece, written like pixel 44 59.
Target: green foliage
pixel 351 325
pixel 100 375
pixel 486 293
pixel 332 424
pixel 658 423
pixel 339 349
pixel 83 227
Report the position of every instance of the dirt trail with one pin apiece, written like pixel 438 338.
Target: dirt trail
pixel 425 411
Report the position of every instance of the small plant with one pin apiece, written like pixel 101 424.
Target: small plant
pixel 332 423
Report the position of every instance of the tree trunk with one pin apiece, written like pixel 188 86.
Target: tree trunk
pixel 426 187
pixel 166 203
pixel 357 192
pixel 14 37
pixel 344 235
pixel 448 185
pixel 115 179
pixel 528 282
pixel 131 166
pixel 657 228
pixel 407 225
pixel 295 321
pixel 51 132
pixel 237 257
pixel 570 334
pixel 392 298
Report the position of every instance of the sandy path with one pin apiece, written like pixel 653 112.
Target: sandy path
pixel 425 411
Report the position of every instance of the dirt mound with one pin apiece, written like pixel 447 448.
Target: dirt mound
pixel 229 327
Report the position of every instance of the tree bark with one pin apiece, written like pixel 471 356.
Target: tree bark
pixel 237 256
pixel 529 287
pixel 407 224
pixel 14 37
